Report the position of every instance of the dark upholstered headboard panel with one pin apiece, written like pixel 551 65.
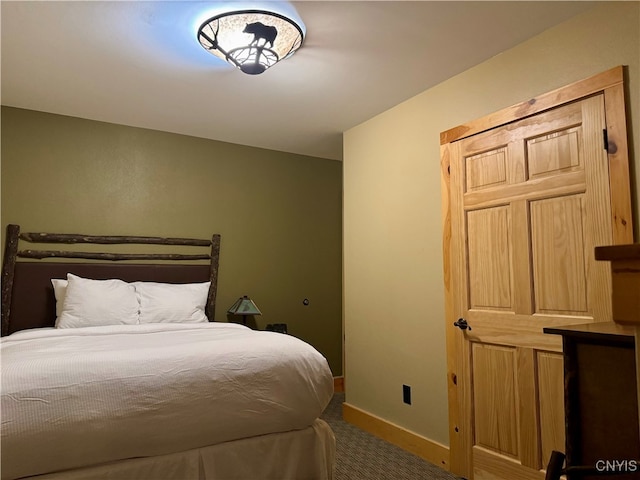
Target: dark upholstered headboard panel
pixel 33 303
pixel 27 289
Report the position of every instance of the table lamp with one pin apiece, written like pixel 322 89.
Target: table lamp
pixel 244 306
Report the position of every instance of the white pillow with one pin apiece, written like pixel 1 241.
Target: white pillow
pixel 90 303
pixel 60 291
pixel 175 303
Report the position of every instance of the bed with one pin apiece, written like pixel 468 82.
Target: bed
pixel 151 388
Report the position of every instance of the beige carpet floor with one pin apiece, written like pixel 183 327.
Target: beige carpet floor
pixel 362 456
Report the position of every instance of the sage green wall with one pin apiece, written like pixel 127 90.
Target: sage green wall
pixel 279 214
pixel 393 280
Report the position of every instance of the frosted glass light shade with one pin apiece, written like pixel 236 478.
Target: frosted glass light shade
pixel 252 40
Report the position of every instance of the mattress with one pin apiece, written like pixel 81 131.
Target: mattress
pixel 73 398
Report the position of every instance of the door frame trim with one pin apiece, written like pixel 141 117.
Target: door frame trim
pixel 611 84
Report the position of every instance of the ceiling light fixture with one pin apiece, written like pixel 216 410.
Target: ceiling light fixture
pixel 252 40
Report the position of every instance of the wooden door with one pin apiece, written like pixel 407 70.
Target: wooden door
pixel 527 201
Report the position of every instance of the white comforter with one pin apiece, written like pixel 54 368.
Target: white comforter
pixel 76 397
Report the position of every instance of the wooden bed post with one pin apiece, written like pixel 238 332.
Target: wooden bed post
pixel 8 266
pixel 210 309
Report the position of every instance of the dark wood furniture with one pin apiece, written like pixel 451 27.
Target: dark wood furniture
pixel 601 403
pixel 601 378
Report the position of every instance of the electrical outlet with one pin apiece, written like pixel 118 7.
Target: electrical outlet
pixel 406 394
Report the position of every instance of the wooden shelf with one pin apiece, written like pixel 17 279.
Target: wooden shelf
pixel 618 252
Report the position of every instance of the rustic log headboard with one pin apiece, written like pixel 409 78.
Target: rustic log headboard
pixel 28 300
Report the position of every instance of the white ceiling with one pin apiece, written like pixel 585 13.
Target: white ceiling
pixel 139 64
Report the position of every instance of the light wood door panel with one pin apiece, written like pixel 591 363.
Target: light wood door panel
pixel 558 251
pixel 489 258
pixel 550 378
pixel 494 395
pixel 555 152
pixel 529 202
pixel 486 169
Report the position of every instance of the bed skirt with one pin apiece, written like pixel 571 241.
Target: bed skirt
pixel 307 454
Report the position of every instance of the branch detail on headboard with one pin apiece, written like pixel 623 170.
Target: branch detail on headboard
pixel 129 272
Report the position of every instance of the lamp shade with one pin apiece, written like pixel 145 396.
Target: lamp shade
pixel 252 40
pixel 244 306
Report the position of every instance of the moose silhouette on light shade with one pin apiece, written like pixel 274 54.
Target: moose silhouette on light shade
pixel 261 31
